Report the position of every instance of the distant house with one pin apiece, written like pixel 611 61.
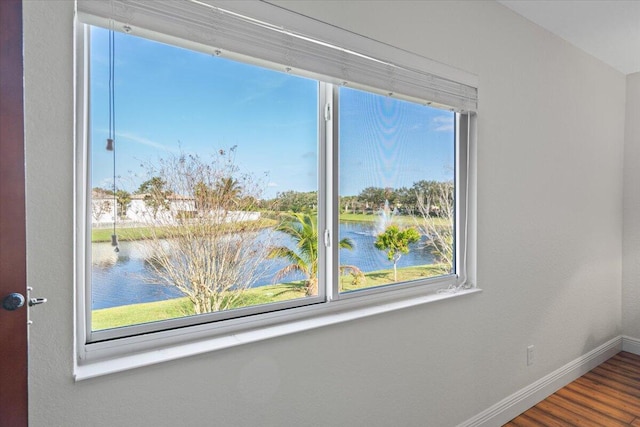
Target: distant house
pixel 140 211
pixel 102 207
pixel 178 207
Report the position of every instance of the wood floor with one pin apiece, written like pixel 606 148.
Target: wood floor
pixel 608 395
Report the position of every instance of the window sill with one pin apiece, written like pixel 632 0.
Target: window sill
pixel 313 317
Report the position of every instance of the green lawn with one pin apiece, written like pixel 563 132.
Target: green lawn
pixel 124 234
pixel 385 277
pixel 405 220
pixel 179 307
pixel 141 233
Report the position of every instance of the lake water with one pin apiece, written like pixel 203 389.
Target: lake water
pixel 123 278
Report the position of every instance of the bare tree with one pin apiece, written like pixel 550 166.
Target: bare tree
pixel 209 245
pixel 436 223
pixel 101 203
pixel 99 208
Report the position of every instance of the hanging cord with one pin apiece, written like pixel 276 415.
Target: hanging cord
pixel 111 146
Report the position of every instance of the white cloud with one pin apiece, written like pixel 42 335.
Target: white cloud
pixel 147 142
pixel 106 183
pixel 442 123
pixel 262 90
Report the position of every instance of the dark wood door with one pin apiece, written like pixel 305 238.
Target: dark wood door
pixel 13 324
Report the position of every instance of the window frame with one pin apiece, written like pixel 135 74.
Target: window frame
pixel 84 187
pixel 102 352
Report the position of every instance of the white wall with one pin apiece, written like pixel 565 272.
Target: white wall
pixel 631 239
pixel 551 136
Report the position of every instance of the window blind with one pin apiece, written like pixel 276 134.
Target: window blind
pixel 215 28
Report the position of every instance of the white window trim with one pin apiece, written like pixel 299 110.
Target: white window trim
pixel 107 358
pixel 100 358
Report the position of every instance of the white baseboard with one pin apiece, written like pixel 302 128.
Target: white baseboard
pixel 520 401
pixel 632 345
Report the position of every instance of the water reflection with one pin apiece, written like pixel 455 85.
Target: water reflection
pixel 127 278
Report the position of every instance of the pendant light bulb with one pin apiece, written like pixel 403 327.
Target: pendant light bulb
pixel 109 144
pixel 114 240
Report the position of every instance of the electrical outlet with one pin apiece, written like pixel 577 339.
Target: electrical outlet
pixel 530 355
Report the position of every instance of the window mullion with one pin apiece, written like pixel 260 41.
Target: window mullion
pixel 463 135
pixel 329 177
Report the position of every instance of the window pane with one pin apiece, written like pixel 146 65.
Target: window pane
pixel 211 159
pixel 396 184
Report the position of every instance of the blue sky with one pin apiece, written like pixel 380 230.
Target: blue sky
pixel 170 99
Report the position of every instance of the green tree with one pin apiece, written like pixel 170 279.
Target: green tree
pixel 296 201
pixel 303 229
pixel 349 204
pixel 229 188
pixel 123 199
pixel 405 199
pixel 428 196
pixel 373 197
pixel 155 194
pixel 396 242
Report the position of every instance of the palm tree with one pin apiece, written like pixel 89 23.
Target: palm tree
pixel 303 229
pixel 229 188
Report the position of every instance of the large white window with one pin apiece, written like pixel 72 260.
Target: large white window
pixel 233 175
